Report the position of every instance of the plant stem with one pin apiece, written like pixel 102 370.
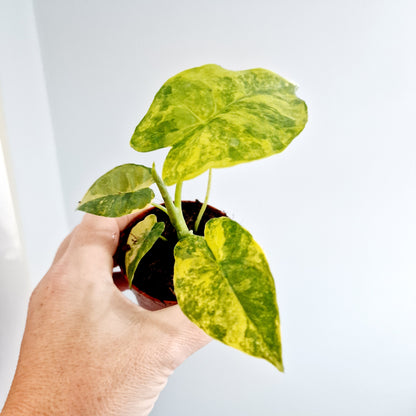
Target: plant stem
pixel 175 214
pixel 161 207
pixel 178 195
pixel 204 205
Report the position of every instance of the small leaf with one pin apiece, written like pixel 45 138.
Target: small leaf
pixel 141 239
pixel 120 191
pixel 224 285
pixel 214 118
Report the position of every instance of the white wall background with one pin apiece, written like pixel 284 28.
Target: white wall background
pixel 13 275
pixel 335 213
pixel 32 216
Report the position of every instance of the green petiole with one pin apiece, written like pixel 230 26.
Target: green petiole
pixel 178 195
pixel 204 205
pixel 175 214
pixel 161 207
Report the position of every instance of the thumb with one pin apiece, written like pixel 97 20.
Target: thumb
pixel 94 242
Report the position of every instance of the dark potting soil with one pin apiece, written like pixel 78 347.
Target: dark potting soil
pixel 154 275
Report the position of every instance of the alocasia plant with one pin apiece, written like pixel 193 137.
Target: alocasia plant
pixel 211 118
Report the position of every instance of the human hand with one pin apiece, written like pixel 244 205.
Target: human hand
pixel 87 349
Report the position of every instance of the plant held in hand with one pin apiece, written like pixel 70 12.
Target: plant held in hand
pixel 211 118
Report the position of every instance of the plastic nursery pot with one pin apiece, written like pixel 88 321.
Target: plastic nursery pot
pixel 153 279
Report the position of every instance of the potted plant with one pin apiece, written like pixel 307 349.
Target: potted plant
pixel 188 252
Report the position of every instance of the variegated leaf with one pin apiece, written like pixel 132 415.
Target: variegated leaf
pixel 120 191
pixel 214 118
pixel 140 240
pixel 224 285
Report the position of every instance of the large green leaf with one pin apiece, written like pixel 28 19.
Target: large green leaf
pixel 224 285
pixel 140 240
pixel 214 118
pixel 120 191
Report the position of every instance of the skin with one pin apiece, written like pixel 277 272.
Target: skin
pixel 87 349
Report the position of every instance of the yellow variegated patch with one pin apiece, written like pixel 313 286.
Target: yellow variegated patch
pixel 120 191
pixel 140 240
pixel 214 118
pixel 224 285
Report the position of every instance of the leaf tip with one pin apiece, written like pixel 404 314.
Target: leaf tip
pixel 276 359
pixel 279 366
